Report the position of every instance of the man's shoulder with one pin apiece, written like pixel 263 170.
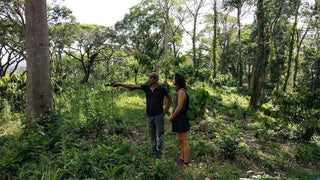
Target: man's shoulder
pixel 161 86
pixel 163 89
pixel 144 86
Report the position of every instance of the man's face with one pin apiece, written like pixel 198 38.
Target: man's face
pixel 152 80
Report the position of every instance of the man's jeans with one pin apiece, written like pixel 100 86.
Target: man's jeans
pixel 156 127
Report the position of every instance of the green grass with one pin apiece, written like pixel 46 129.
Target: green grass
pixel 102 133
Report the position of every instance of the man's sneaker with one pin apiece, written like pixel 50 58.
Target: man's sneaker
pixel 159 154
pixel 154 152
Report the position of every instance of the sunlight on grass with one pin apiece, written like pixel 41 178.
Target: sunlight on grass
pixel 10 127
pixel 266 159
pixel 10 123
pixel 288 150
pixel 131 107
pixel 235 101
pixel 210 119
pixel 254 125
pixel 136 101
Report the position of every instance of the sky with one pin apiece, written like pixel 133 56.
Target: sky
pixel 101 12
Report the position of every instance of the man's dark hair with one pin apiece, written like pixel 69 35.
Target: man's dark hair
pixel 180 81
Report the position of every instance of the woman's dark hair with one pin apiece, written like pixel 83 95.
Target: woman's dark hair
pixel 180 81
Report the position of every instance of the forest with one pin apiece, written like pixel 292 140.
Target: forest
pixel 252 69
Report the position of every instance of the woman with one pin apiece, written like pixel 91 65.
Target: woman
pixel 180 123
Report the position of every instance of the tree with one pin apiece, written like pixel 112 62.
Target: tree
pixel 248 53
pixel 215 37
pixel 209 40
pixel 238 4
pixel 301 35
pixel 90 40
pixel 142 31
pixel 277 54
pixel 309 81
pixel 12 44
pixel 228 26
pixel 62 28
pixel 193 8
pixel 261 62
pixel 275 17
pixel 291 44
pixel 39 92
pixel 178 15
pixel 166 36
pixel 61 36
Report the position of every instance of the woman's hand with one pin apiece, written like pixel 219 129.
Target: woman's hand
pixel 169 120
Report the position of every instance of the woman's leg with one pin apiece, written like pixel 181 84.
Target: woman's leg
pixel 184 145
pixel 181 147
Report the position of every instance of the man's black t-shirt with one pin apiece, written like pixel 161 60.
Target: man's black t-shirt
pixel 154 99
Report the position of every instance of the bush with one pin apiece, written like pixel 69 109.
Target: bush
pixel 224 80
pixel 197 103
pixel 229 144
pixel 5 111
pixel 300 110
pixel 229 147
pixel 12 89
pixel 308 153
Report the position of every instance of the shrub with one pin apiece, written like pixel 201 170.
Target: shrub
pixel 224 80
pixel 12 88
pixel 229 147
pixel 197 103
pixel 301 110
pixel 229 144
pixel 308 153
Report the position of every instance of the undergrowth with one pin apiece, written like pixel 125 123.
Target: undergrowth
pixel 98 132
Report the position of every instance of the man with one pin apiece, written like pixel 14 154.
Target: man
pixel 154 98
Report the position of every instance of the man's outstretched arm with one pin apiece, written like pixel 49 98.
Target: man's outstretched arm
pixel 129 86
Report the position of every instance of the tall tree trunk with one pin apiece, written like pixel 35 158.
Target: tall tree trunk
pixel 166 34
pixel 296 59
pixel 291 46
pixel 260 64
pixel 316 67
pixel 136 75
pixel 39 92
pixel 87 69
pixel 214 51
pixel 271 30
pixel 194 33
pixel 249 77
pixel 225 47
pixel 194 38
pixel 239 68
pixel 86 77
